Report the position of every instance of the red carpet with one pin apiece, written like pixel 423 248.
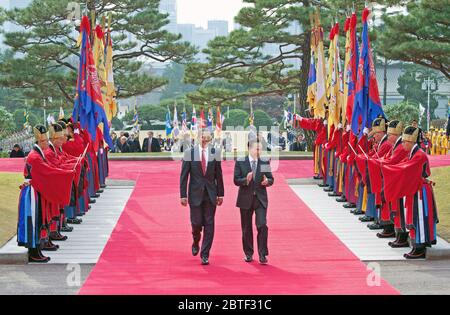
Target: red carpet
pixel 149 250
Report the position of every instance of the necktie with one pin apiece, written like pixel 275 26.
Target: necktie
pixel 204 161
pixel 150 140
pixel 254 169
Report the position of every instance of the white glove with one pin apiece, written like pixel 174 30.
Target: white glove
pixel 77 131
pixel 340 126
pixel 366 131
pixel 348 128
pixel 325 122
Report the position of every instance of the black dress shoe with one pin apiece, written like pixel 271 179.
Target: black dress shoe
pixel 205 261
pixel 102 186
pixel 92 200
pixel 317 177
pixel 248 258
pixel 349 205
pixel 322 185
pixel 95 196
pixel 100 191
pixel 333 194
pixel 195 249
pixel 328 189
pixel 341 199
pixel 263 260
pixel 357 212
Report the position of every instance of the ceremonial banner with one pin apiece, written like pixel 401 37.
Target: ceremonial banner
pixel 88 107
pixel 367 105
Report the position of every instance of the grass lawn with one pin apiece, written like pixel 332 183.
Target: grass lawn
pixel 441 176
pixel 9 187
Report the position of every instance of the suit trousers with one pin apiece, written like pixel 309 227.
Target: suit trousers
pixel 202 217
pixel 261 225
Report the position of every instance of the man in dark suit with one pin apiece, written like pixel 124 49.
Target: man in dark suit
pixel 202 167
pixel 154 144
pixel 253 175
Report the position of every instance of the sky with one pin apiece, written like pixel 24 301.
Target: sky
pixel 199 12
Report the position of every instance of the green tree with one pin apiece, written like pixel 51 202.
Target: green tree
pixel 150 117
pixel 6 122
pixel 19 119
pixel 262 119
pixel 239 58
pixel 410 86
pixel 116 123
pixel 44 63
pixel 404 112
pixel 175 86
pixel 421 36
pixel 235 118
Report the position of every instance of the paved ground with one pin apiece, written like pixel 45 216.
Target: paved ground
pixel 417 277
pixel 42 279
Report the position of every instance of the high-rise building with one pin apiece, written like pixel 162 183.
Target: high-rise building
pixel 220 27
pixel 186 31
pixel 170 7
pixel 9 5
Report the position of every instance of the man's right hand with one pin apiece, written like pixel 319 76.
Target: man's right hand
pixel 249 177
pixel 184 202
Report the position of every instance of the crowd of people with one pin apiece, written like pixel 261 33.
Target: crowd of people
pixel 382 175
pixel 64 172
pixel 437 142
pixel 128 142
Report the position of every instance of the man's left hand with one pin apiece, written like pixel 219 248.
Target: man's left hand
pixel 219 201
pixel 265 181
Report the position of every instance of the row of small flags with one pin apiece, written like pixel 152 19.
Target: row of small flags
pixel 173 128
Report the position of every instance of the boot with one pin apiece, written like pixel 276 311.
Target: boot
pixel 34 256
pixel 74 221
pixel 317 177
pixel 92 200
pixel 65 228
pixel 50 247
pixel 401 240
pixel 333 194
pixel 322 185
pixel 349 205
pixel 375 226
pixel 418 252
pixel 366 219
pixel 55 236
pixel 328 189
pixel 357 212
pixel 341 199
pixel 388 231
pixel 100 191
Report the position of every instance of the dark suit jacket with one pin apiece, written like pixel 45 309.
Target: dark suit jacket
pixel 246 192
pixel 155 145
pixel 191 170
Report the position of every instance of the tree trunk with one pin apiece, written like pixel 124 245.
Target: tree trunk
pixel 303 88
pixel 385 82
